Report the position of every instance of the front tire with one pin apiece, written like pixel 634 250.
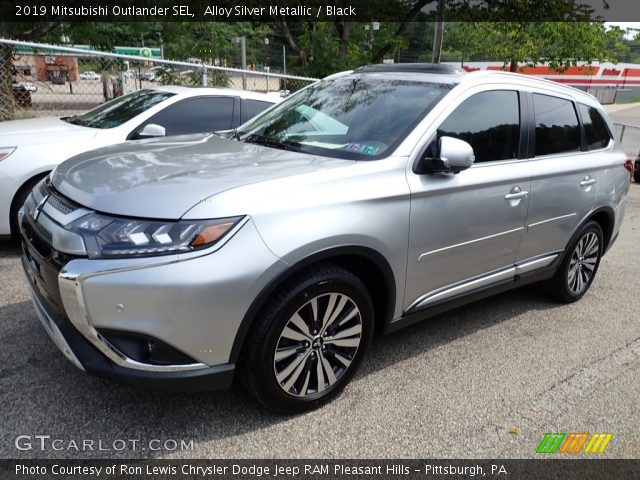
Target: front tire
pixel 308 340
pixel 579 266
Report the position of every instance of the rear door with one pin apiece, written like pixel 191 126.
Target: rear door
pixel 564 181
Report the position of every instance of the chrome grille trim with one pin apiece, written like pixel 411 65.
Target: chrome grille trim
pixel 42 189
pixel 54 332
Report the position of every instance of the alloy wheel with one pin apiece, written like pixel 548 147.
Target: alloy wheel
pixel 317 345
pixel 582 265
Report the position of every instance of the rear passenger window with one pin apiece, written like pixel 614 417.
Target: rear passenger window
pixel 251 108
pixel 489 122
pixel 557 127
pixel 196 115
pixel 595 128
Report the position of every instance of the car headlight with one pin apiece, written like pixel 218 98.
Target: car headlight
pixel 6 151
pixel 114 237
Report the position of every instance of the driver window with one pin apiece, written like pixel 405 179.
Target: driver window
pixel 489 122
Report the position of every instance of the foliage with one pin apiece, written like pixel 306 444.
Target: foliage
pixel 558 44
pixel 169 76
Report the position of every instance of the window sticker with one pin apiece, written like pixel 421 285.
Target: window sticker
pixel 362 148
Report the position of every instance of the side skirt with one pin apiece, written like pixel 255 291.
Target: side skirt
pixel 479 294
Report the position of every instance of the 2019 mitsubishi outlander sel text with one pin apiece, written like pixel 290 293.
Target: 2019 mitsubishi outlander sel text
pixel 368 201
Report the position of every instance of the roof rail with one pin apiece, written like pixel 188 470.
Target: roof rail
pixel 412 67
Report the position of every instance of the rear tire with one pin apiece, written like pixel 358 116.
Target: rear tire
pixel 579 266
pixel 308 340
pixel 636 176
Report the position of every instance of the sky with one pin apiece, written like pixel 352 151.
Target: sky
pixel 625 25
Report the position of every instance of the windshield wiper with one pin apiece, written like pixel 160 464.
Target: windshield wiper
pixel 271 142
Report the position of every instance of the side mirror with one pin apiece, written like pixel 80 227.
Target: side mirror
pixel 151 130
pixel 455 155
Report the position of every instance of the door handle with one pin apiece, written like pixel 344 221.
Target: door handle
pixel 588 181
pixel 516 195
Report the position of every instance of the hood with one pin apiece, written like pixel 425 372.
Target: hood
pixel 164 178
pixel 33 131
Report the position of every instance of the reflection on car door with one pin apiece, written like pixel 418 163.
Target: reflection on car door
pixel 466 228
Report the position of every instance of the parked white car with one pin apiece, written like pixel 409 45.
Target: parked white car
pixel 30 87
pixel 89 76
pixel 30 149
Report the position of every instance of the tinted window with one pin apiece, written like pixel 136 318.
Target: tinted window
pixel 196 115
pixel 489 122
pixel 595 128
pixel 120 109
pixel 557 128
pixel 251 108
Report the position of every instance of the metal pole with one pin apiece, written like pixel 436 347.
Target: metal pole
pixel 284 66
pixel 243 48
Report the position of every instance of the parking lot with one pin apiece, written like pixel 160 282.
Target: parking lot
pixel 487 380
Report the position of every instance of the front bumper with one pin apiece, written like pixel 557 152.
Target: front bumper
pixel 193 304
pixel 88 358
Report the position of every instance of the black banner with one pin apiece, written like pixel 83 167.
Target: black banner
pixel 318 10
pixel 543 469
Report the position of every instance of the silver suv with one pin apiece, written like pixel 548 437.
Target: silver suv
pixel 368 201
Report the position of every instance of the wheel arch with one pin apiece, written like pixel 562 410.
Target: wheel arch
pixel 605 217
pixel 367 264
pixel 33 179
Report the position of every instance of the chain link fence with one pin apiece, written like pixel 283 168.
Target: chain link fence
pixel 629 137
pixel 39 80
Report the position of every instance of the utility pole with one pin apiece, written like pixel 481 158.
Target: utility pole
pixel 161 45
pixel 437 34
pixel 243 53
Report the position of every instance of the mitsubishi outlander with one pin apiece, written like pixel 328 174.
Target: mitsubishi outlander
pixel 365 202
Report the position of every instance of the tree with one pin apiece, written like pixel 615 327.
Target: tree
pixel 321 48
pixel 558 44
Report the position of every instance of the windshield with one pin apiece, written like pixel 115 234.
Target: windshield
pixel 119 110
pixel 353 117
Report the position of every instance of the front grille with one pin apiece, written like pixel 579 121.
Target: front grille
pixel 56 199
pixel 62 205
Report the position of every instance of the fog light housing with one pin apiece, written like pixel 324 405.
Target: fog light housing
pixel 144 348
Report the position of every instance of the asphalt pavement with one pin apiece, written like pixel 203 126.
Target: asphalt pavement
pixel 485 381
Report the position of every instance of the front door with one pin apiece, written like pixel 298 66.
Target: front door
pixel 465 229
